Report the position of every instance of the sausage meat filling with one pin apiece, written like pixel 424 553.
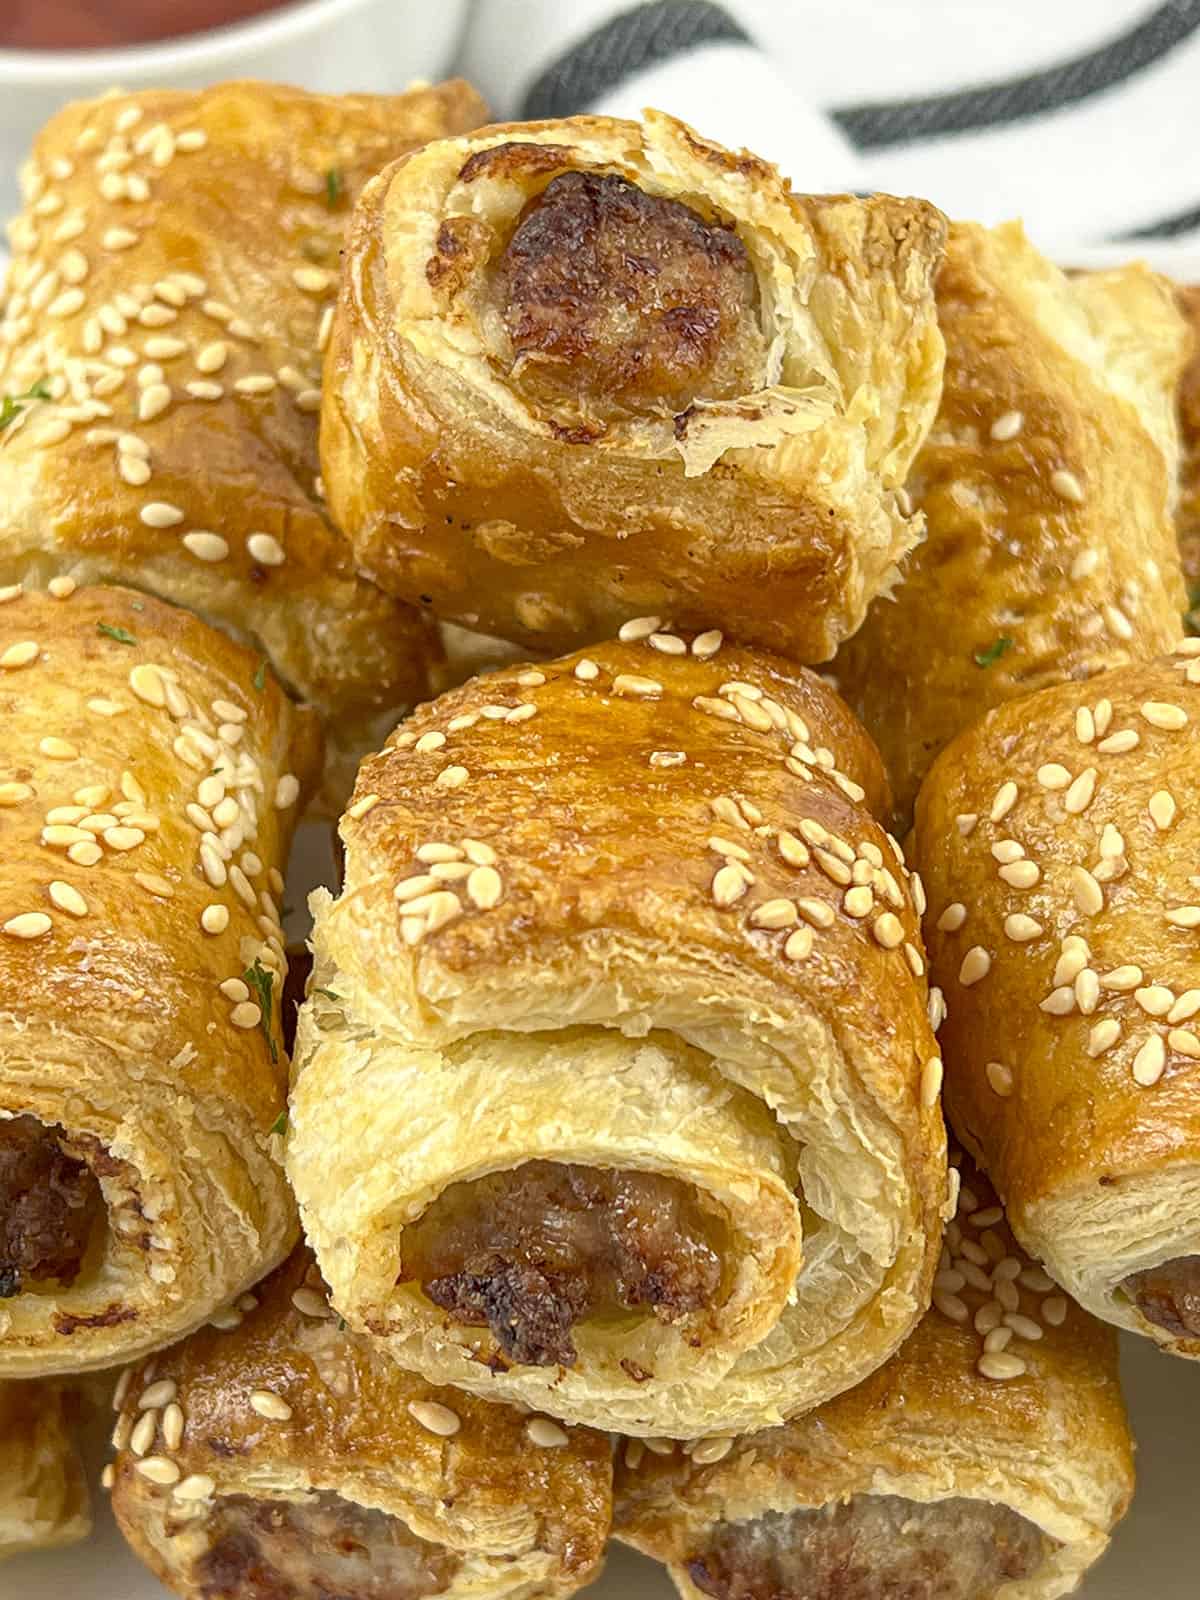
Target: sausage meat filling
pixel 50 1200
pixel 614 299
pixel 532 1252
pixel 870 1547
pixel 1169 1295
pixel 325 1547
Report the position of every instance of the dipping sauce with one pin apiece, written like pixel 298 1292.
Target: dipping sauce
pixel 109 24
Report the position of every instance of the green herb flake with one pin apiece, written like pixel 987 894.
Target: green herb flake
pixel 14 404
pixel 280 1124
pixel 986 658
pixel 333 187
pixel 259 680
pixel 119 634
pixel 261 982
pixel 329 994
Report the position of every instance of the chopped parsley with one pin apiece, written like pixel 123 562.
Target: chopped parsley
pixel 328 993
pixel 14 404
pixel 119 634
pixel 259 680
pixel 986 658
pixel 280 1124
pixel 333 187
pixel 261 983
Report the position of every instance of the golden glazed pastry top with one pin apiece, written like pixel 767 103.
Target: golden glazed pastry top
pixel 170 294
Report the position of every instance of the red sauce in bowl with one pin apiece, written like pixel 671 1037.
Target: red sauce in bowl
pixel 109 24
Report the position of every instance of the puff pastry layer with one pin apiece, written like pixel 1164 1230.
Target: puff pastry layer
pixel 151 775
pixel 43 1493
pixel 283 1451
pixel 1047 486
pixel 173 273
pixel 624 919
pixel 1056 842
pixel 989 1460
pixel 587 369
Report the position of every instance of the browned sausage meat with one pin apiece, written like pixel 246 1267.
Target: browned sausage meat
pixel 1169 1295
pixel 869 1548
pixel 615 296
pixel 530 1253
pixel 49 1201
pixel 325 1548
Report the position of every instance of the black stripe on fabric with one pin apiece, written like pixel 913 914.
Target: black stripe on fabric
pixel 1165 228
pixel 626 44
pixel 876 124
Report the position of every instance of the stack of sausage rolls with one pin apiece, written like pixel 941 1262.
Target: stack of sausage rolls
pixel 607 1190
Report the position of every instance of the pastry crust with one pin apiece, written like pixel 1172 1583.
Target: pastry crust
pixel 1187 511
pixel 518 1517
pixel 119 833
pixel 43 1493
pixel 181 336
pixel 1050 1442
pixel 1047 485
pixel 772 512
pixel 1055 839
pixel 580 907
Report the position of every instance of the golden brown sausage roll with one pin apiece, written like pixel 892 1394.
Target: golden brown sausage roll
pixel 989 1460
pixel 615 1091
pixel 1057 841
pixel 173 277
pixel 1047 486
pixel 43 1492
pixel 151 774
pixel 280 1454
pixel 586 369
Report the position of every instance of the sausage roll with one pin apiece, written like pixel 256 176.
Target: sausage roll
pixel 1056 838
pixel 1047 486
pixel 280 1454
pixel 1187 512
pixel 989 1460
pixel 632 917
pixel 585 369
pixel 151 773
pixel 169 297
pixel 43 1492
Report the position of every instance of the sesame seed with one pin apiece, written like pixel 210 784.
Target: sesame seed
pixel 1149 1062
pixel 1000 1078
pixel 706 645
pixel 1184 1042
pixel 1186 1006
pixel 667 644
pixel 1054 1310
pixel 1053 776
pixel 452 777
pixel 287 790
pixel 976 964
pixel 1162 809
pixel 1006 798
pixel 1184 917
pixel 57 749
pixel 660 758
pixel 246 1014
pixel 429 741
pixel 546 1434
pixel 931 1081
pixel 1155 1000
pixel 157 1394
pixel 268 1404
pixel 255 383
pixel 1122 980
pixel 199 390
pixel 67 898
pixel 1084 564
pixel 819 913
pixel 952 918
pixel 1085 725
pixel 67 303
pixel 410 888
pixel 1086 892
pixel 630 683
pixel 1020 874
pixel 197 1486
pixel 23 654
pixel 798 945
pixel 858 902
pixel 1007 851
pixel 1007 426
pixel 1161 714
pixel 1067 486
pixel 888 930
pixel 366 803
pixel 312 280
pixel 152 402
pixel 774 914
pixel 1080 793
pixel 159 1469
pixel 437 851
pixel 234 989
pixel 191 139
pixel 266 549
pixel 484 887
pixel 164 349
pixel 206 546
pixel 638 628
pixel 1118 623
pixel 729 884
pixel 12 794
pixel 1020 928
pixel 795 853
pixel 435 1418
pixel 311 1303
pixel 28 925
pixel 160 514
pixel 1087 991
pixel 214 918
pixel 153 884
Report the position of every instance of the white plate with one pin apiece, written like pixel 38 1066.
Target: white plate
pixel 1156 1549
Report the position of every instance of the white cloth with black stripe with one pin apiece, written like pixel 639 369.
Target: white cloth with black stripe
pixel 1078 115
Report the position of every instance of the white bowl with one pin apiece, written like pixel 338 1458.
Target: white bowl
pixel 374 46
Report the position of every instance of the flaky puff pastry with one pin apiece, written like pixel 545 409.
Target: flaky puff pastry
pixel 152 773
pixel 43 1492
pixel 1057 842
pixel 1047 485
pixel 989 1460
pixel 173 275
pixel 282 1449
pixel 585 369
pixel 624 918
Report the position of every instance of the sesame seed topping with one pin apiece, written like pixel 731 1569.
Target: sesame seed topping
pixel 774 914
pixel 630 683
pixel 312 280
pixel 1020 874
pixel 159 1469
pixel 1184 1042
pixel 1081 792
pixel 12 794
pixel 310 1302
pixel 287 790
pixel 1184 917
pixel 234 989
pixel 484 887
pixel 1150 1060
pixel 23 654
pixel 435 1417
pixel 206 546
pixel 1007 851
pixel 1186 1006
pixel 976 964
pixel 1020 928
pixel 197 1486
pixel 706 645
pixel 1084 564
pixel 452 777
pixel 157 1394
pixel 668 644
pixel 268 1404
pixel 1086 892
pixel 153 884
pixel 1006 799
pixel 1054 1310
pixel 1161 714
pixel 999 1365
pixel 67 898
pixel 1155 1000
pixel 28 925
pixel 1067 486
pixel 1007 426
pixel 888 930
pixel 858 902
pixel 586 670
pixel 246 1015
pixel 546 1434
pixel 433 740
pixel 1085 725
pixel 730 883
pixel 1122 980
pixel 952 918
pixel 266 549
pixel 1000 1078
pixel 931 1081
pixel 152 402
pixel 118 238
pixel 160 514
pixel 1053 776
pixel 57 749
pixel 1162 809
